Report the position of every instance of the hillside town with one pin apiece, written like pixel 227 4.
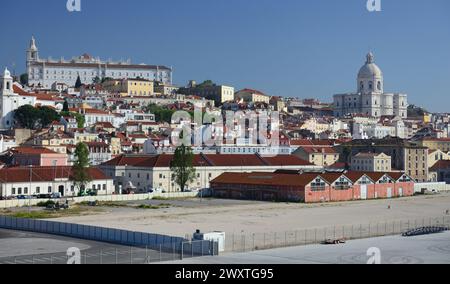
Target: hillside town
pixel 247 144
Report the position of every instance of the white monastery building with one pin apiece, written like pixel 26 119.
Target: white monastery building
pixel 45 72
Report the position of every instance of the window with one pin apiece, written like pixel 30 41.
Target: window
pixel 38 189
pixel 13 191
pixel 19 191
pixel 49 189
pixel 318 185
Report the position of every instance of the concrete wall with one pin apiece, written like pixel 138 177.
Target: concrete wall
pixel 430 186
pixel 112 198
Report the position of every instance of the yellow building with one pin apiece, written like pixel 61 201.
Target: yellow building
pixel 319 156
pixel 130 87
pixel 436 155
pixel 252 96
pixel 442 144
pixel 371 162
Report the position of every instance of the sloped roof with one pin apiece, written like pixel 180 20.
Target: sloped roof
pixel 212 160
pixel 43 174
pixel 265 179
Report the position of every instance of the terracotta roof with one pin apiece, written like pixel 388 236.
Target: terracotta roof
pixel 265 179
pixel 212 160
pixel 104 124
pixel 355 176
pixel 441 165
pixel 32 150
pixel 319 150
pixel 331 177
pixel 252 91
pixel 311 143
pixel 42 174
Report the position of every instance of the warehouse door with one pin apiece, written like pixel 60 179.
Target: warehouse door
pixel 400 192
pixel 364 191
pixel 389 193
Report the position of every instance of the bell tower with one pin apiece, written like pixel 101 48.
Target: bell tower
pixel 6 84
pixel 32 55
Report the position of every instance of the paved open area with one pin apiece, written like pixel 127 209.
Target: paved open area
pixel 183 217
pixel 426 249
pixel 18 247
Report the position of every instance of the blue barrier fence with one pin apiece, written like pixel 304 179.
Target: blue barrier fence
pixel 109 235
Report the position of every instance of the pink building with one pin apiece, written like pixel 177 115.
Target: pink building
pixel 38 156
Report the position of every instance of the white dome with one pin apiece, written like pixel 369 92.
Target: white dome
pixel 370 69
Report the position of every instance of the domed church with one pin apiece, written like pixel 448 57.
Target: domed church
pixel 370 98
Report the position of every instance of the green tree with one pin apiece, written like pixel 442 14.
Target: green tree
pixel 80 169
pixel 182 166
pixel 81 120
pixel 65 106
pixel 47 116
pixel 78 83
pixel 27 116
pixel 24 79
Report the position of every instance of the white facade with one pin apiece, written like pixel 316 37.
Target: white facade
pixel 45 73
pixel 10 101
pixel 370 98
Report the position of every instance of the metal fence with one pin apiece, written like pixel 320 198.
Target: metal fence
pixel 261 241
pixel 122 255
pixel 145 244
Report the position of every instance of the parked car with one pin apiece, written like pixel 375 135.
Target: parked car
pixel 56 195
pixel 44 196
pixel 22 197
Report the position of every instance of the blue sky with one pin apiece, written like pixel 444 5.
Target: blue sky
pixel 302 48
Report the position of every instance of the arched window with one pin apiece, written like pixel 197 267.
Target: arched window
pixel 8 85
pixel 361 85
pixel 370 85
pixel 379 86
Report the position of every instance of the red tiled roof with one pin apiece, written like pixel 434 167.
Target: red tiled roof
pixel 311 143
pixel 265 179
pixel 104 124
pixel 213 160
pixel 42 174
pixel 252 91
pixel 442 164
pixel 319 150
pixel 32 150
pixel 331 177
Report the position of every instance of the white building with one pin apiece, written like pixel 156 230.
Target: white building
pixel 10 101
pixel 47 180
pixel 45 72
pixel 142 172
pixel 370 98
